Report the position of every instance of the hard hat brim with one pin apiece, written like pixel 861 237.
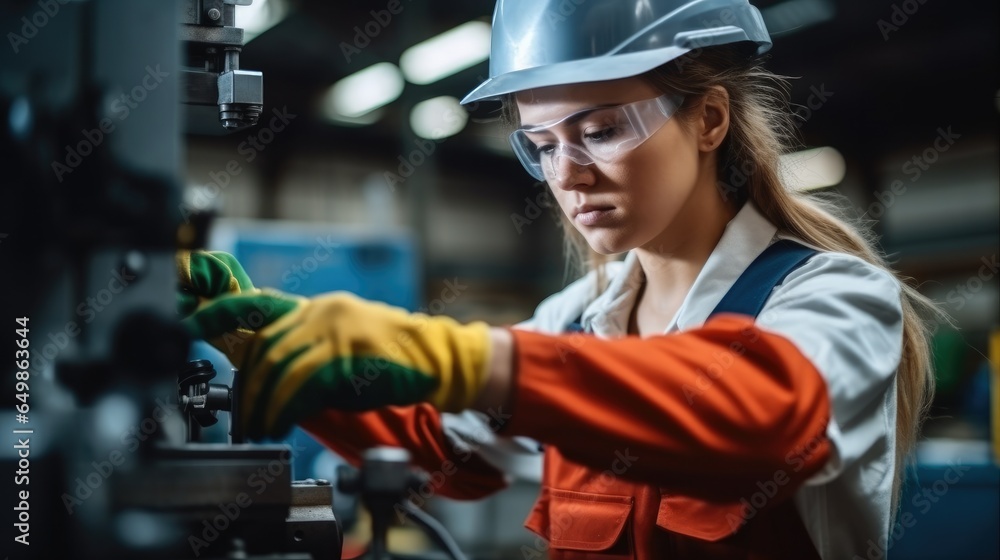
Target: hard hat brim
pixel 596 69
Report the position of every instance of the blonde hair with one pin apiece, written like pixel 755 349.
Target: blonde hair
pixel 762 126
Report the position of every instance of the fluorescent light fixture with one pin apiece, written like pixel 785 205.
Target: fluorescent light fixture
pixel 812 169
pixel 438 118
pixel 363 92
pixel 448 53
pixel 367 119
pixel 259 16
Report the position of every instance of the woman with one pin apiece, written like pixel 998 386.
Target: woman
pixel 748 381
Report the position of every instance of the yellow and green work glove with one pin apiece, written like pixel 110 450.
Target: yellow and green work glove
pixel 204 275
pixel 299 356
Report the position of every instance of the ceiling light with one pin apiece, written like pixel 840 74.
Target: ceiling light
pixel 438 118
pixel 812 169
pixel 367 119
pixel 448 53
pixel 363 92
pixel 259 16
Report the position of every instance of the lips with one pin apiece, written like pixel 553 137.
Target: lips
pixel 590 208
pixel 592 214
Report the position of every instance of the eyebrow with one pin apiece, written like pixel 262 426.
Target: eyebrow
pixel 577 116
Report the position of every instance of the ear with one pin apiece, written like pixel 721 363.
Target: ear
pixel 712 118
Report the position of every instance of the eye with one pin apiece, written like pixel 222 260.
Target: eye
pixel 603 134
pixel 539 144
pixel 544 149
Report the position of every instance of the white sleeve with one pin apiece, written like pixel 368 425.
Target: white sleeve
pixel 845 315
pixel 520 456
pixel 517 457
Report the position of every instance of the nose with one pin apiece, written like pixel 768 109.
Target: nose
pixel 570 170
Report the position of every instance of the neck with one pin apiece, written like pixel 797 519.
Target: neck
pixel 672 261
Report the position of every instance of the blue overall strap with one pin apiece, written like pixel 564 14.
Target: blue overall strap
pixel 751 290
pixel 749 293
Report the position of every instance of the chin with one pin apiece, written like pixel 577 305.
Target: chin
pixel 608 245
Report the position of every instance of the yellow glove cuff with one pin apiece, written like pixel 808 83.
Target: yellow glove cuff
pixel 460 386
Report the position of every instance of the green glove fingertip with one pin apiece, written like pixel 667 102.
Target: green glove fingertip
pixel 236 271
pixel 249 311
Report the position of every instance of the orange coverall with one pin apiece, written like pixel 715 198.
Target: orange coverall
pixel 650 451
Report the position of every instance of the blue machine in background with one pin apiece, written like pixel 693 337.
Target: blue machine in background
pixel 950 508
pixel 382 268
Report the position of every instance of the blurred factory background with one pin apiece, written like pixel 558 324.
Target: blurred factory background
pixel 370 139
pixel 365 174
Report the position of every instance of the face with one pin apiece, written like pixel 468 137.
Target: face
pixel 634 200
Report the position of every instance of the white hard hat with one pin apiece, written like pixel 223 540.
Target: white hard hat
pixel 539 43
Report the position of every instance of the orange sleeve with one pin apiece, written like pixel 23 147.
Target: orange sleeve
pixel 710 412
pixel 462 473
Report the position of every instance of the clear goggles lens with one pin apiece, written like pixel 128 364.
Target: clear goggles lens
pixel 601 134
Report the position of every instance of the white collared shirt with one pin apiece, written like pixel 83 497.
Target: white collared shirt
pixel 841 312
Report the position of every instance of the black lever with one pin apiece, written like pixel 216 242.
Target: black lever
pixel 383 482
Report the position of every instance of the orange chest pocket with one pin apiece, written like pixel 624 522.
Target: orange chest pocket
pixel 581 525
pixel 696 518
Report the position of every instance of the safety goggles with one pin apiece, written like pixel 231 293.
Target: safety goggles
pixel 599 134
